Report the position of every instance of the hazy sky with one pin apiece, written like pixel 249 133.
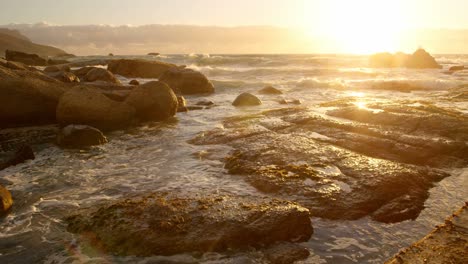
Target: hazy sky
pixel 287 13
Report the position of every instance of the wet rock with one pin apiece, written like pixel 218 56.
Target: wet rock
pixel 12 139
pixel 56 68
pixel 79 136
pixel 110 54
pixel 56 62
pixel 447 243
pixel 270 90
pixel 26 101
pixel 194 107
pixel 456 68
pixel 205 103
pixel 339 170
pixel 153 54
pixel 296 101
pixel 5 201
pixel 286 253
pixel 187 81
pixel 26 58
pixel 421 59
pixel 87 106
pixel 246 99
pixel 21 155
pixel 63 76
pixel 153 101
pixel 134 82
pixel 182 104
pixel 93 74
pixel 139 68
pixel 164 224
pixel 100 74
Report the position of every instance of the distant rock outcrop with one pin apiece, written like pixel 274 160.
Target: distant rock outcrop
pixel 139 68
pixel 13 40
pixel 420 59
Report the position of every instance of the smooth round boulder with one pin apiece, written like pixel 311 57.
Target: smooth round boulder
pixel 80 136
pixel 87 106
pixel 187 81
pixel 100 74
pixel 270 90
pixel 5 200
pixel 139 68
pixel 153 101
pixel 28 101
pixel 246 99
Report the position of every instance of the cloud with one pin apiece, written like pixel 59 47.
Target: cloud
pixel 127 39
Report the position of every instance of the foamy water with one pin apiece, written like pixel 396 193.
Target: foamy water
pixel 157 156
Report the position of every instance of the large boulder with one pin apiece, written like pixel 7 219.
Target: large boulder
pixel 87 106
pixel 100 74
pixel 139 68
pixel 5 200
pixel 187 81
pixel 27 101
pixel 164 224
pixel 29 59
pixel 78 136
pixel 153 101
pixel 246 99
pixel 57 68
pixel 421 59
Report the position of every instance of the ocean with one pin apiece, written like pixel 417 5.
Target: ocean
pixel 162 157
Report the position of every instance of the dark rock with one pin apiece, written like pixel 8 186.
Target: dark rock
pixel 16 65
pixel 87 106
pixel 153 101
pixel 153 54
pixel 56 62
pixel 82 72
pixel 163 224
pixel 56 68
pixel 26 101
pixel 194 107
pixel 79 136
pixel 134 82
pixel 205 103
pixel 270 90
pixel 5 201
pixel 110 54
pixel 182 104
pixel 29 59
pixel 23 154
pixel 246 99
pixel 283 101
pixel 63 76
pixel 457 68
pixel 139 68
pixel 296 101
pixel 286 253
pixel 382 167
pixel 187 81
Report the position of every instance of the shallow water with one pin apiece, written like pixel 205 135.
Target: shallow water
pixel 157 156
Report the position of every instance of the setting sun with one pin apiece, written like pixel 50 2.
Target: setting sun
pixel 363 26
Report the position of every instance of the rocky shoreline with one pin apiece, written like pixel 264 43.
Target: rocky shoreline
pixel 447 243
pixel 351 162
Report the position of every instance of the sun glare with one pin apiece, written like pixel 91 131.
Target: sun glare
pixel 362 26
